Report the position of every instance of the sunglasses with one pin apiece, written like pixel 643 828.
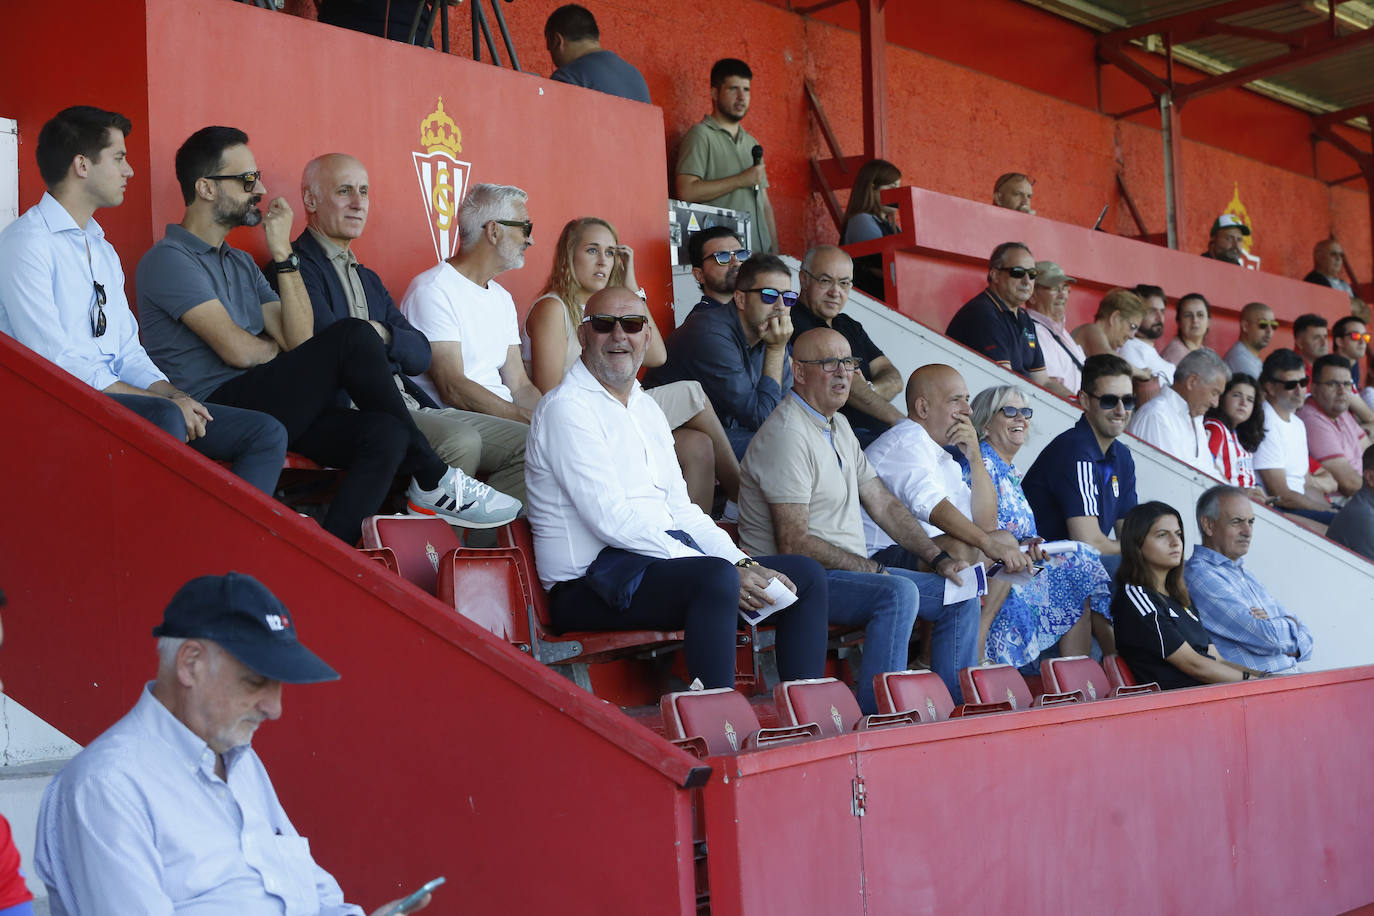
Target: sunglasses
pixel 522 224
pixel 724 257
pixel 1356 336
pixel 1290 384
pixel 98 311
pixel 1109 401
pixel 832 365
pixel 1267 325
pixel 770 295
pixel 1011 413
pixel 605 324
pixel 249 179
pixel 1020 273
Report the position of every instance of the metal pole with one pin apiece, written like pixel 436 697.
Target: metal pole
pixel 505 33
pixel 1166 121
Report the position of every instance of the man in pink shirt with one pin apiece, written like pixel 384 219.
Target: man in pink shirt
pixel 1335 439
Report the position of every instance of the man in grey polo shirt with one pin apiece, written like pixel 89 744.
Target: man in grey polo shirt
pixel 717 163
pixel 215 327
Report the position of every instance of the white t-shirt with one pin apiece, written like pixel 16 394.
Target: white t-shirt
pixel 446 306
pixel 1143 355
pixel 1284 446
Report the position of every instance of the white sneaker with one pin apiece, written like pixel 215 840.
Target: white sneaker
pixel 462 501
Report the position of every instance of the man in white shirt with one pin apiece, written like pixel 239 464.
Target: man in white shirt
pixel 618 543
pixel 171 810
pixel 473 333
pixel 1172 421
pixel 1281 461
pixel 1140 350
pixel 62 296
pixel 1047 307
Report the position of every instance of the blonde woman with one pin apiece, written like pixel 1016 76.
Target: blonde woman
pixel 588 258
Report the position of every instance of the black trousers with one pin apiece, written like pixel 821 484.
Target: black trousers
pixel 701 596
pixel 372 444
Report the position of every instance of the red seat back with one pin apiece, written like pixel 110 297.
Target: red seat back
pixel 1076 672
pixel 720 716
pixel 1117 671
pixel 420 544
pixel 922 691
pixel 487 587
pixel 824 701
pixel 518 534
pixel 995 684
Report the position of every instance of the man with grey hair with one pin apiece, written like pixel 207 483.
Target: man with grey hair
pixel 476 365
pixel 827 276
pixel 171 810
pixel 1172 421
pixel 1247 625
pixel 995 322
pixel 1328 260
pixel 334 189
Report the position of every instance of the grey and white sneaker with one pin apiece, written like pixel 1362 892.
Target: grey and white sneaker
pixel 463 501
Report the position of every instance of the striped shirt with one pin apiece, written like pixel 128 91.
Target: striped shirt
pixel 1073 477
pixel 1149 627
pixel 1234 461
pixel 1228 598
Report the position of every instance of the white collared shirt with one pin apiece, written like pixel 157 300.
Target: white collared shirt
pixel 599 473
pixel 1143 355
pixel 1164 422
pixel 47 298
pixel 918 472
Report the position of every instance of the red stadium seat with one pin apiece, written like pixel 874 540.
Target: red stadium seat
pixel 1121 679
pixel 723 718
pixel 829 704
pixel 420 545
pixel 1079 672
pixel 922 695
pixel 383 555
pixel 994 683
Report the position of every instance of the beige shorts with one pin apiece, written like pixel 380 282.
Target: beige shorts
pixel 679 401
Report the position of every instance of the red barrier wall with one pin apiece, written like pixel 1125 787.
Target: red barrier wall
pixel 442 751
pixel 1241 798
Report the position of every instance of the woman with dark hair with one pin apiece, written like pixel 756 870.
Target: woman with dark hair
pixel 1192 317
pixel 868 218
pixel 1158 633
pixel 1234 430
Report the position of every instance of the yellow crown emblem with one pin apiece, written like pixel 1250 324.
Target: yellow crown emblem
pixel 438 133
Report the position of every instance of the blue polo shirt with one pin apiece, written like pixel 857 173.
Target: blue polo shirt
pixel 1072 477
pixel 989 326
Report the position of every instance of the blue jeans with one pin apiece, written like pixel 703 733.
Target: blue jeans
pixel 888 606
pixel 253 443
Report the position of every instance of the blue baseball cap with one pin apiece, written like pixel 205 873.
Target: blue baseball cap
pixel 238 613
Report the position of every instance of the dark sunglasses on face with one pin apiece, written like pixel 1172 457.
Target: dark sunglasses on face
pixel 1267 325
pixel 770 295
pixel 605 324
pixel 522 224
pixel 1020 273
pixel 1109 401
pixel 98 311
pixel 1290 384
pixel 1011 413
pixel 249 179
pixel 723 257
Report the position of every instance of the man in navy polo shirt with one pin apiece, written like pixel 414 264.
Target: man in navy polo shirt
pixel 1083 483
pixel 995 322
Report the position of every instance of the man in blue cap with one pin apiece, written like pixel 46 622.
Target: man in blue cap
pixel 171 808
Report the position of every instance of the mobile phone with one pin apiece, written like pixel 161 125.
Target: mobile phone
pixel 413 900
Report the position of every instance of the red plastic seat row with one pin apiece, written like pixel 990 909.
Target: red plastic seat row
pixel 1081 673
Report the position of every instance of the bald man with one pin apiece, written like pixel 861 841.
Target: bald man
pixel 334 189
pixel 804 486
pixel 827 277
pixel 1257 327
pixel 1328 260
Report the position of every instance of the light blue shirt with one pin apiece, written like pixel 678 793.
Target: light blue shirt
pixel 1223 593
pixel 138 822
pixel 47 298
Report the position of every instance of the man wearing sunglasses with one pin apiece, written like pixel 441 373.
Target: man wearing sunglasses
pixel 1350 338
pixel 740 354
pixel 1257 327
pixel 617 541
pixel 1281 461
pixel 212 322
pixel 804 485
pixel 1328 260
pixel 827 276
pixel 62 295
pixel 716 255
pixel 1172 421
pixel 995 322
pixel 1082 484
pixel 1335 439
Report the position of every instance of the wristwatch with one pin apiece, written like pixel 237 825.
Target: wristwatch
pixel 747 562
pixel 290 265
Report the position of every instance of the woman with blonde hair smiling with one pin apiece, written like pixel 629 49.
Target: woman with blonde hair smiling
pixel 588 258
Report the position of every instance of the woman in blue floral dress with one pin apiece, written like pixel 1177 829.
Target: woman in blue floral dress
pixel 1051 607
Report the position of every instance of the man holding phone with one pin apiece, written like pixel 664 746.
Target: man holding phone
pixel 171 807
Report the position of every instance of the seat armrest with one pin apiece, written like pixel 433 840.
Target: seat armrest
pixel 767 737
pixel 695 745
pixel 980 709
pixel 1136 689
pixel 886 720
pixel 1060 699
